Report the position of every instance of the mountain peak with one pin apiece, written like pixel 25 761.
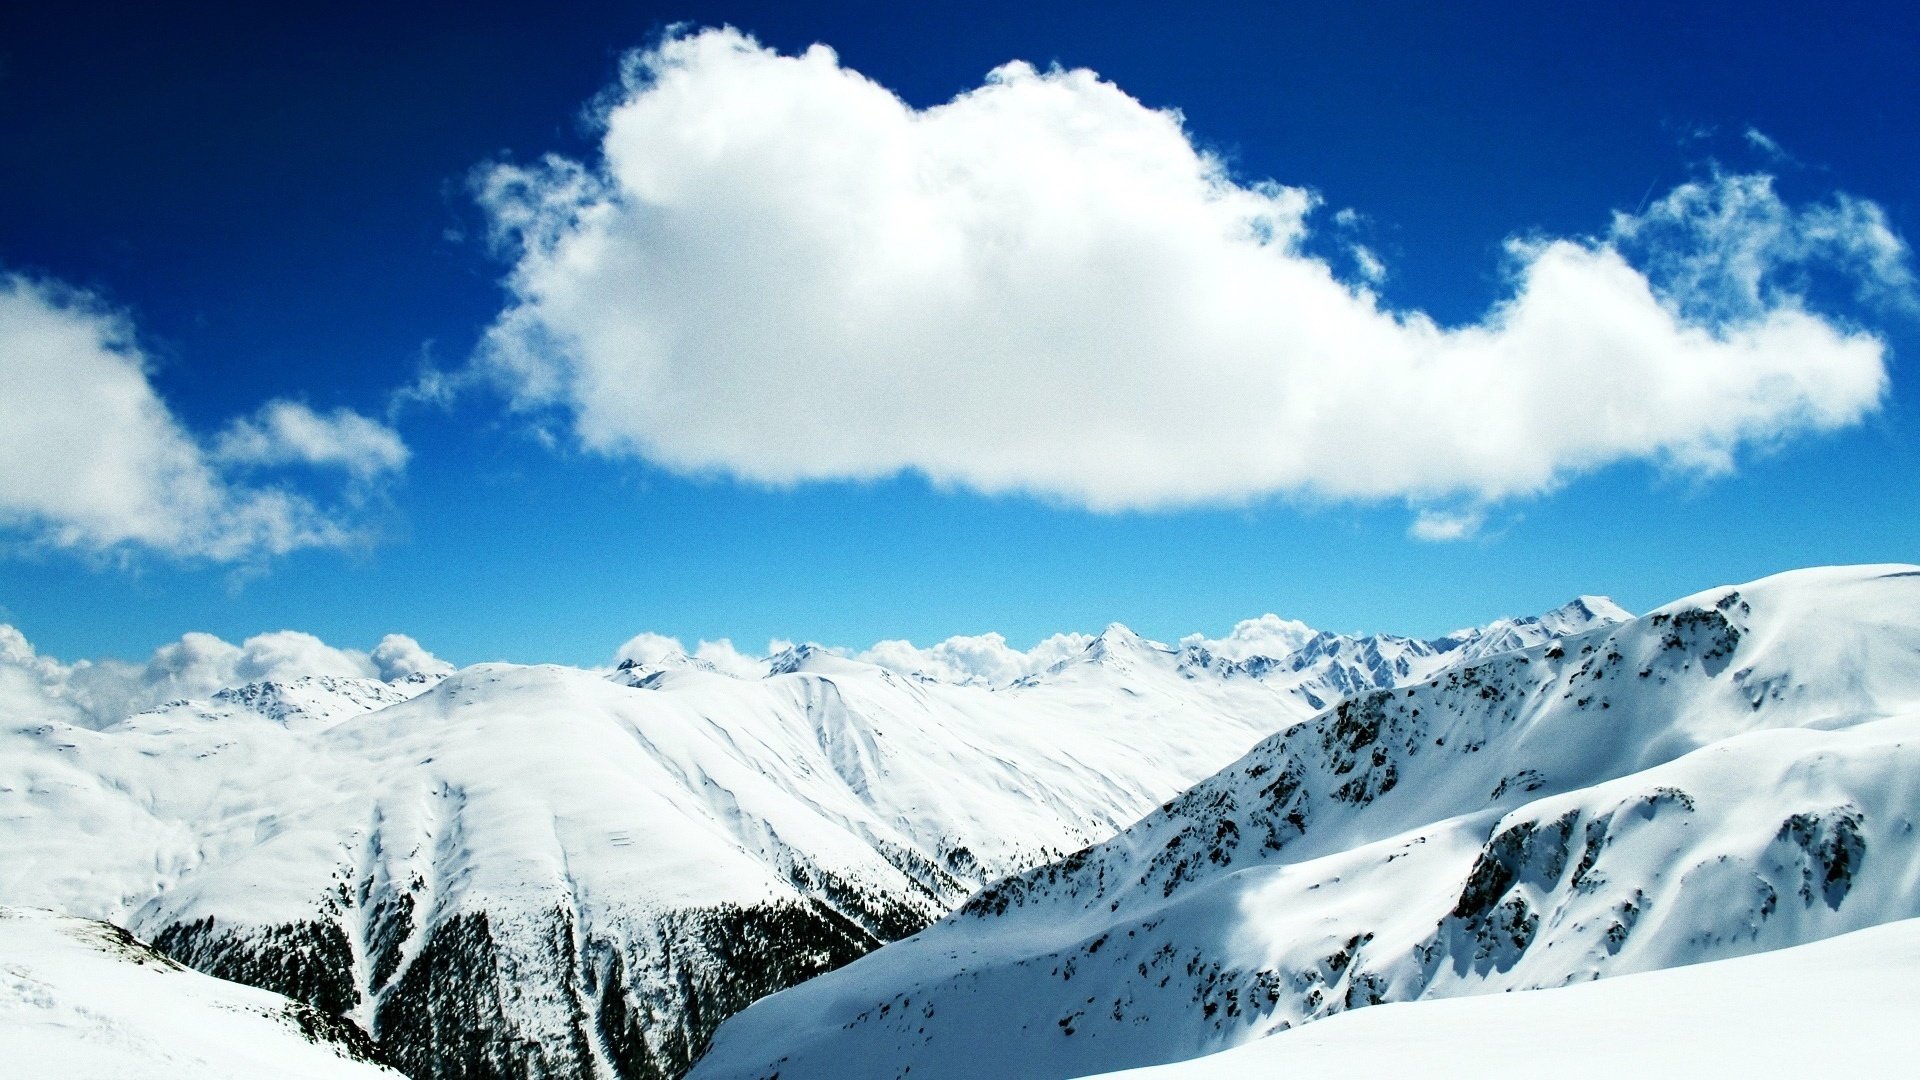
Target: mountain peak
pixel 635 671
pixel 814 659
pixel 1584 613
pixel 1117 641
pixel 792 658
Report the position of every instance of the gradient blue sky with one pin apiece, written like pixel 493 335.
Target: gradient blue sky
pixel 280 201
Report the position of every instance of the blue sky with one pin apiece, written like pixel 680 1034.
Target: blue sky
pixel 284 208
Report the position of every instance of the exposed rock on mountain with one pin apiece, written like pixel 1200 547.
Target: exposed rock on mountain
pixel 1852 1003
pixel 1733 773
pixel 545 871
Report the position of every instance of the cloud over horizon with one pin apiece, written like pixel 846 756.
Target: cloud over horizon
pixel 985 659
pixel 99 693
pixel 92 458
pixel 777 270
pixel 650 650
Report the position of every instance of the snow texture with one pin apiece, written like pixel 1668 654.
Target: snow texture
pixel 1844 1007
pixel 1733 773
pixel 82 1000
pixel 552 871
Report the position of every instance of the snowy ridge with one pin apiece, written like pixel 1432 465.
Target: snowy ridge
pixel 82 1000
pixel 314 700
pixel 1733 773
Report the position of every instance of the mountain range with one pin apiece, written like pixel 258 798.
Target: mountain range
pixel 1135 857
pixel 558 872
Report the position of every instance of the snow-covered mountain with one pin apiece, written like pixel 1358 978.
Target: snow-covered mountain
pixel 1736 772
pixel 306 701
pixel 1853 999
pixel 82 1000
pixel 1326 667
pixel 545 871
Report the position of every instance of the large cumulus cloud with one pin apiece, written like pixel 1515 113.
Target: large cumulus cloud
pixel 777 270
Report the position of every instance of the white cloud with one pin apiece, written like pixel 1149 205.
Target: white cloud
pixel 288 654
pixel 1370 265
pixel 1441 526
pixel 193 667
pixel 431 387
pixel 777 270
pixel 92 459
pixel 1764 143
pixel 287 432
pixel 33 687
pixel 985 659
pixel 725 658
pixel 96 693
pixel 1729 250
pixel 647 649
pixel 1268 635
pixel 398 656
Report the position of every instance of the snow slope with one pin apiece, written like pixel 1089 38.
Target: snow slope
pixel 552 871
pixel 81 1000
pixel 1843 1006
pixel 1736 772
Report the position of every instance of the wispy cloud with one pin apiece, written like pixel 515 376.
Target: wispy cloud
pixel 287 432
pixel 1760 141
pixel 1443 526
pixel 1728 250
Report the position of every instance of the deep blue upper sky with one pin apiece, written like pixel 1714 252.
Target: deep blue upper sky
pixel 278 194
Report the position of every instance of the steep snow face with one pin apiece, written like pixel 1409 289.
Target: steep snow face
pixel 1735 772
pixel 83 999
pixel 1853 999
